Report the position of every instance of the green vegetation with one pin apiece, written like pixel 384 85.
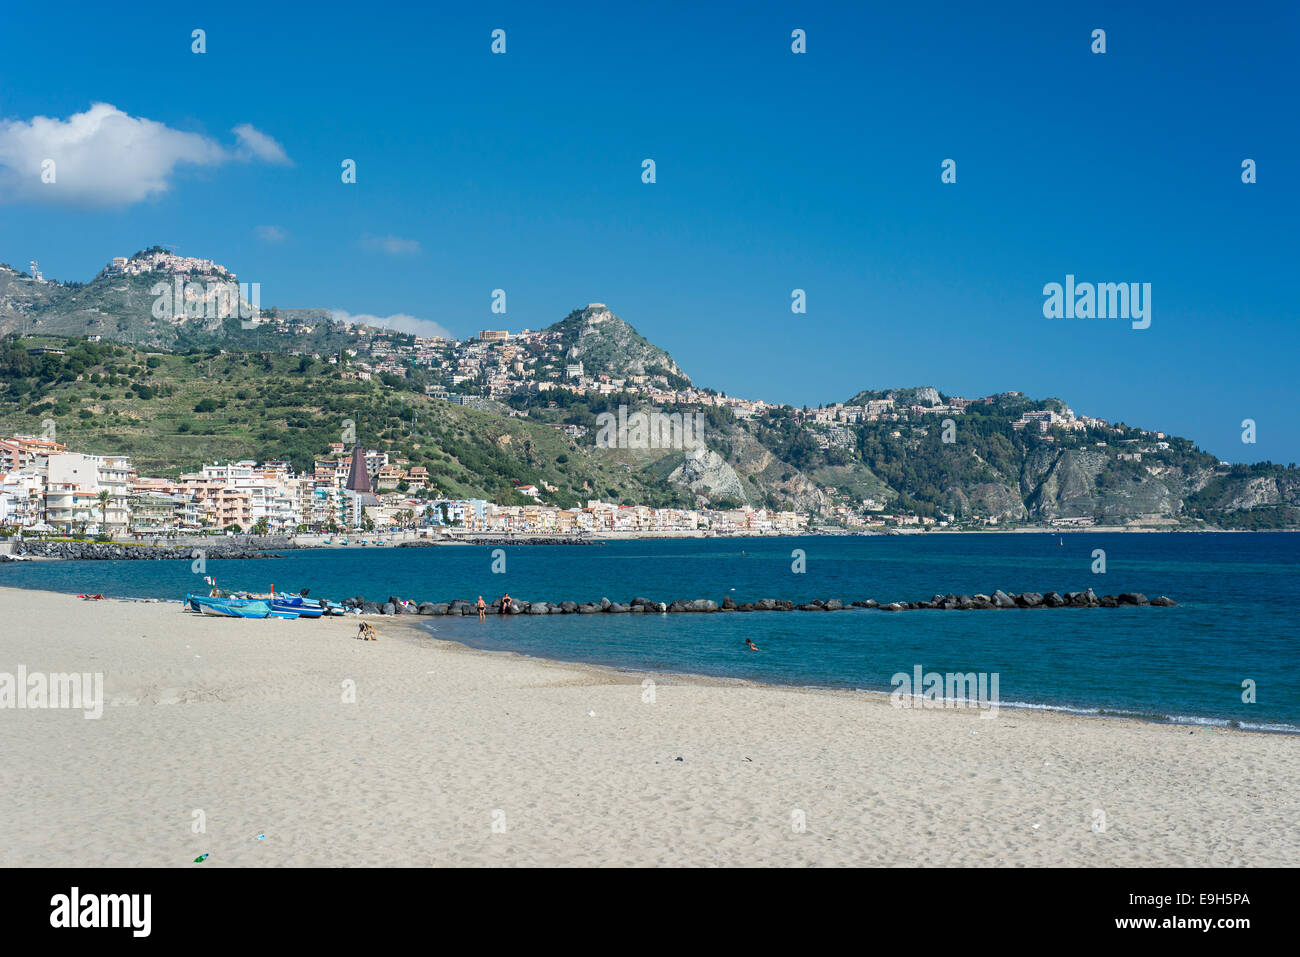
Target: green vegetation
pixel 183 410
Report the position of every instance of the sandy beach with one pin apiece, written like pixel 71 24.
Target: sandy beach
pixel 455 757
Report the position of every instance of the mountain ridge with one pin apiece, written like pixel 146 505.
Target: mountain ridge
pixel 1000 459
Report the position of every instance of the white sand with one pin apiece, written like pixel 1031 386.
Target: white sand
pixel 243 720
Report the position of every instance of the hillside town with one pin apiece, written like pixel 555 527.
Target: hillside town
pixel 46 487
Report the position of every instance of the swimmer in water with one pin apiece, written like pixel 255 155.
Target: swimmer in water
pixel 749 643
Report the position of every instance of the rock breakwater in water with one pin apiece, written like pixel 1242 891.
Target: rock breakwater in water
pixel 999 600
pixel 112 551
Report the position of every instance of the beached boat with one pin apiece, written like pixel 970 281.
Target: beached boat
pixel 233 607
pixel 303 607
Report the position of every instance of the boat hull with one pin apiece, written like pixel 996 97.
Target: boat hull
pixel 230 607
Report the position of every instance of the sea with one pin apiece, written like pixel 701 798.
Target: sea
pixel 1228 654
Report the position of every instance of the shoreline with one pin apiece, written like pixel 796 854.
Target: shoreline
pixel 243 722
pixel 419 626
pixel 421 630
pixel 8 547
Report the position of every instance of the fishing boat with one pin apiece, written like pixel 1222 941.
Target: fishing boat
pixel 231 607
pixel 302 607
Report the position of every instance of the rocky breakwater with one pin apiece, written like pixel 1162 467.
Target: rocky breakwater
pixel 112 551
pixel 999 600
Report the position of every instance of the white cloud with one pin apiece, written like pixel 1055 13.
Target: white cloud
pixel 392 245
pixel 271 234
pixel 254 144
pixel 399 321
pixel 105 157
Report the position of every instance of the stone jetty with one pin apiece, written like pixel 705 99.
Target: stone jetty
pixel 999 600
pixel 114 551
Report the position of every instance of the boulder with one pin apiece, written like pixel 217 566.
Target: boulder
pixel 1108 601
pixel 370 608
pixel 1163 601
pixel 1029 599
pixel 893 606
pixel 389 608
pixel 1133 598
pixel 1052 600
pixel 590 608
pixel 425 608
pixel 616 609
pixel 1001 599
pixel 833 604
pixel 568 607
pixel 728 603
pixel 539 608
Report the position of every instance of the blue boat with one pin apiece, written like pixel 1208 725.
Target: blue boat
pixel 230 607
pixel 303 607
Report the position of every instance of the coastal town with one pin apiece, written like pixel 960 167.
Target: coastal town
pixel 46 487
pixel 873 463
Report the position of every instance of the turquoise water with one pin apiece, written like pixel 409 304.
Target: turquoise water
pixel 1236 619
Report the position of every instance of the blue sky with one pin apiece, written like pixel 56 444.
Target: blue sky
pixel 775 171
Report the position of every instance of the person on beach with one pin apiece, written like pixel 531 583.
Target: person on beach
pixel 749 643
pixel 482 609
pixel 505 603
